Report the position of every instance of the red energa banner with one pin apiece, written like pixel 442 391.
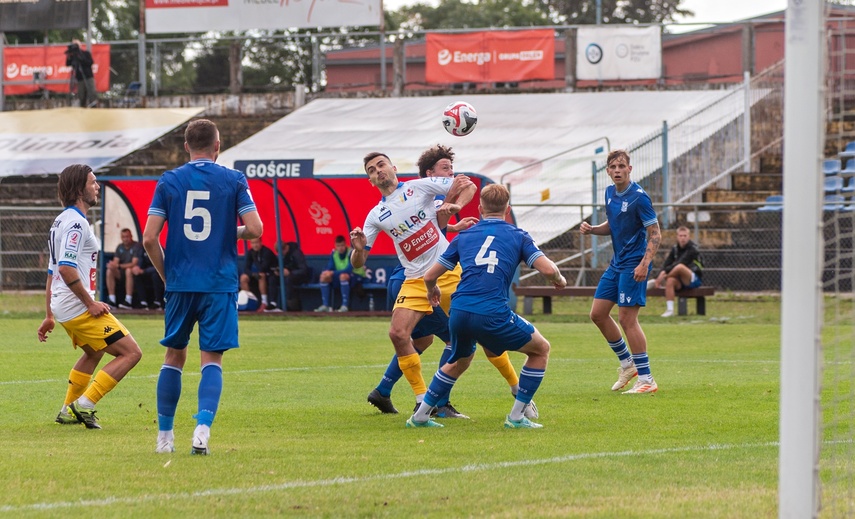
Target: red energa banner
pixel 48 62
pixel 488 57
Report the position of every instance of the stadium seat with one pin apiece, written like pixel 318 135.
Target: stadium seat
pixel 773 203
pixel 834 203
pixel 849 188
pixel 132 95
pixel 833 184
pixel 849 169
pixel 848 151
pixel 831 167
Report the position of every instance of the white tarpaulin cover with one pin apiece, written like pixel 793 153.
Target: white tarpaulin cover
pixel 331 136
pixel 46 141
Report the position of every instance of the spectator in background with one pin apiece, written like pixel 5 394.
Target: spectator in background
pixel 121 267
pixel 682 269
pixel 339 273
pixel 147 283
pixel 296 272
pixel 260 265
pixel 80 61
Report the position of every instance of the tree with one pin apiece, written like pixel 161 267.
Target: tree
pixel 613 11
pixel 458 14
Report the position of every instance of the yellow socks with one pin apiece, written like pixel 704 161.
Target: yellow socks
pixel 411 366
pixel 77 382
pixel 102 385
pixel 503 364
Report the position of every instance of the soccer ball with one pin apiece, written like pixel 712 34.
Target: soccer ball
pixel 459 118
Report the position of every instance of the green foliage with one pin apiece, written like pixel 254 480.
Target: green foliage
pixel 459 14
pixel 614 11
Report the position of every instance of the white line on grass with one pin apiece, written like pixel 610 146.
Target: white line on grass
pixel 381 366
pixel 481 467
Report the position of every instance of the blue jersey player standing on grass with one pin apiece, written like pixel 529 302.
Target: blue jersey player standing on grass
pixel 489 253
pixel 201 200
pixel 634 228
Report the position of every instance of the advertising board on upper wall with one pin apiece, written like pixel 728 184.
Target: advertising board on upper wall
pixel 488 57
pixel 171 16
pixel 618 53
pixel 41 15
pixel 34 64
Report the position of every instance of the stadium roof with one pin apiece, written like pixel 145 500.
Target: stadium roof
pixel 46 141
pixel 514 133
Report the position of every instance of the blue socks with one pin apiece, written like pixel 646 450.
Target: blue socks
pixel 210 388
pixel 530 380
pixel 326 292
pixel 345 294
pixel 620 349
pixel 439 388
pixel 168 393
pixel 642 363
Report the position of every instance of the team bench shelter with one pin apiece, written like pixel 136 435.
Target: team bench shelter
pixel 548 292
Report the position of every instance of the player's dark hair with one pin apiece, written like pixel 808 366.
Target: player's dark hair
pixel 494 198
pixel 616 154
pixel 201 135
pixel 340 239
pixel 373 155
pixel 431 156
pixel 72 183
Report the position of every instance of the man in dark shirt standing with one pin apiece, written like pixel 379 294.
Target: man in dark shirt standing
pixel 682 269
pixel 80 61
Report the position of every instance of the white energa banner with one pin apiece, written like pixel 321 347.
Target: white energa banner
pixel 618 53
pixel 171 16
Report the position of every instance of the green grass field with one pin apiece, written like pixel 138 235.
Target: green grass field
pixel 294 435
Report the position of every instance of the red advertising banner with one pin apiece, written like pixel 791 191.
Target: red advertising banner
pixel 24 63
pixel 487 57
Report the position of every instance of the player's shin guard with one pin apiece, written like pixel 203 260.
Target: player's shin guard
pixel 411 366
pixel 503 364
pixel 168 393
pixel 100 386
pixel 210 389
pixel 77 383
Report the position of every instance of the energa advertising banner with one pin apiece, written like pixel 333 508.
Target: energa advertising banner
pixel 618 53
pixel 171 16
pixel 34 63
pixel 488 57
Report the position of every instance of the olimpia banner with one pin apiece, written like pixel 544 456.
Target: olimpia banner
pixel 41 15
pixel 618 53
pixel 177 16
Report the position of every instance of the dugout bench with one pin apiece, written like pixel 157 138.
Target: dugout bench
pixel 546 293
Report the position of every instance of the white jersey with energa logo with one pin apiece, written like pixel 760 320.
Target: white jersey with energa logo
pixel 408 216
pixel 73 244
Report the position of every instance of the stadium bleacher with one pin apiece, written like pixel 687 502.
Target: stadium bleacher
pixel 831 167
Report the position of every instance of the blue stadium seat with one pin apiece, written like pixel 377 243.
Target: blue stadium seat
pixel 833 184
pixel 834 203
pixel 831 167
pixel 848 151
pixel 773 203
pixel 849 169
pixel 849 188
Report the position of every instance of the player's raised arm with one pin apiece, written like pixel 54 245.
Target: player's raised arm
pixel 358 241
pixel 548 268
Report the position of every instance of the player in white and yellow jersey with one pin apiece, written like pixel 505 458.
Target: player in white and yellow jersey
pixel 70 292
pixel 407 214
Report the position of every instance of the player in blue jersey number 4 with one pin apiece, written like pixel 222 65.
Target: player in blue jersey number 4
pixel 489 253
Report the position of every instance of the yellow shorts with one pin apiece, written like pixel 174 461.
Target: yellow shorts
pixel 413 294
pixel 95 332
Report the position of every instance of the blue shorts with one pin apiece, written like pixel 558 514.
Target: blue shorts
pixel 497 333
pixel 696 282
pixel 431 324
pixel 216 314
pixel 622 288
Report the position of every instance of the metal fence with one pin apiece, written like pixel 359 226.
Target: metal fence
pixel 740 245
